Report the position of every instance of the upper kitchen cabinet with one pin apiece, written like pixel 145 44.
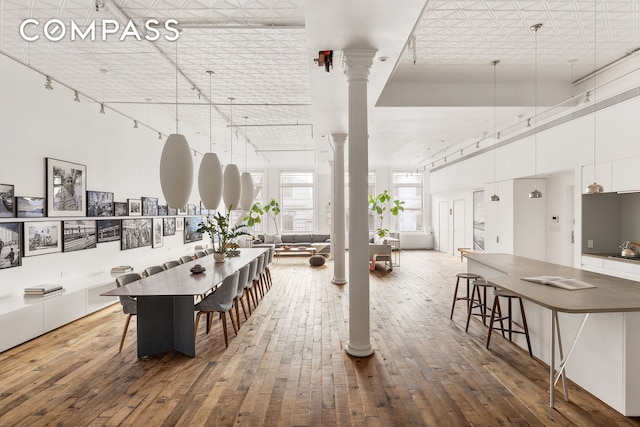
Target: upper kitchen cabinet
pixel 625 175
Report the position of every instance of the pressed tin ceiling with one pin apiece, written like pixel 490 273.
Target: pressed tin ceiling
pixel 262 55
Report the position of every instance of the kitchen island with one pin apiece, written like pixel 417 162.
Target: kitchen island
pixel 603 351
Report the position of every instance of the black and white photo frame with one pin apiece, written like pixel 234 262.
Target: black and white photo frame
pixel 158 239
pixel 79 235
pixel 136 233
pixel 66 184
pixel 149 206
pixel 108 230
pixel 30 207
pixel 135 207
pixel 191 225
pixel 10 244
pixel 99 203
pixel 42 237
pixel 7 206
pixel 169 226
pixel 120 208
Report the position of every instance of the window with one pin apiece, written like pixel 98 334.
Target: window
pixel 296 208
pixel 407 187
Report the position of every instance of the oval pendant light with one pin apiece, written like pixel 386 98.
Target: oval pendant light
pixel 246 199
pixel 232 187
pixel 210 173
pixel 176 171
pixel 176 164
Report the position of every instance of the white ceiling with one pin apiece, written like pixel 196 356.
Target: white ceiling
pixel 262 54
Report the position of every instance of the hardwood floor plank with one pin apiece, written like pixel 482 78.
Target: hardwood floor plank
pixel 288 367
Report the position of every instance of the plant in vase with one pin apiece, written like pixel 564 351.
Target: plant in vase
pixel 382 205
pixel 257 211
pixel 223 235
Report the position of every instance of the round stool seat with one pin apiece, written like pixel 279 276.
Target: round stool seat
pixel 316 260
pixel 468 276
pixel 504 293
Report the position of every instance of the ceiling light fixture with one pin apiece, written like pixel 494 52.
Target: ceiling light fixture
pixel 246 181
pixel 135 124
pixel 494 197
pixel 76 96
pixel 159 135
pixel 232 187
pixel 47 83
pixel 104 76
pixel 210 173
pixel 535 193
pixel 594 188
pixel 176 164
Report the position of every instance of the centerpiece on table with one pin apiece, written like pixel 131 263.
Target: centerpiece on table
pixel 223 235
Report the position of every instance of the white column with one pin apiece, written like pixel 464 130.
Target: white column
pixel 357 65
pixel 332 217
pixel 338 209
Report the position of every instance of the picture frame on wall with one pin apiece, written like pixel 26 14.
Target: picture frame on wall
pixel 79 235
pixel 158 240
pixel 30 207
pixel 163 210
pixel 135 207
pixel 169 226
pixel 191 209
pixel 99 203
pixel 191 225
pixel 7 206
pixel 136 233
pixel 149 206
pixel 179 224
pixel 42 237
pixel 108 230
pixel 66 184
pixel 120 208
pixel 10 244
pixel 172 211
pixel 182 211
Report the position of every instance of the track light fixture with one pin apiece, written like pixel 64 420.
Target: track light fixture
pixel 135 124
pixel 102 108
pixel 159 135
pixel 47 84
pixel 76 96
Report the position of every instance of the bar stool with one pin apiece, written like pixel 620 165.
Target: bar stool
pixel 496 311
pixel 478 300
pixel 469 277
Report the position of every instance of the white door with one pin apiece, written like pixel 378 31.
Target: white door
pixel 443 227
pixel 458 226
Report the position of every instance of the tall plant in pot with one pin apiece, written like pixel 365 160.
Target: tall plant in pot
pixel 257 211
pixel 223 235
pixel 382 205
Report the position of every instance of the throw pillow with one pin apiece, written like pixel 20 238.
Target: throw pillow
pixel 277 238
pixel 269 238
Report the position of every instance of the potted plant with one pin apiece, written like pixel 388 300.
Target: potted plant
pixel 382 205
pixel 257 211
pixel 223 235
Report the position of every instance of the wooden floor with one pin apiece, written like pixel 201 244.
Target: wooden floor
pixel 287 366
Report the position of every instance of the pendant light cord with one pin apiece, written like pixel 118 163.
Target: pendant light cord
pixel 535 102
pixel 177 129
pixel 246 142
pixel 494 63
pixel 595 86
pixel 231 129
pixel 210 113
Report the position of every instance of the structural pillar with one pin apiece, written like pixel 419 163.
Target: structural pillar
pixel 357 65
pixel 338 209
pixel 332 212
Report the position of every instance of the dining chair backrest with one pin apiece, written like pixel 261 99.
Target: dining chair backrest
pixel 253 267
pixel 209 251
pixel 170 264
pixel 242 279
pixel 185 259
pixel 154 269
pixel 222 298
pixel 129 304
pixel 259 267
pixel 201 254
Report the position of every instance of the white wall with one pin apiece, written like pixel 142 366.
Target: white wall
pixel 38 123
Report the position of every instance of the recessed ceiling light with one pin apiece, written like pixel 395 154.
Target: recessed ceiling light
pixel 383 58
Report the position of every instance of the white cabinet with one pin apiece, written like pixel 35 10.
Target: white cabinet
pixel 625 176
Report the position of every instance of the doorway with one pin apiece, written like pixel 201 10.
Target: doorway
pixel 443 227
pixel 458 225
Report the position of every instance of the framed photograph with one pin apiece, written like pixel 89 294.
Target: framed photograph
pixel 191 209
pixel 10 244
pixel 172 211
pixel 99 203
pixel 158 240
pixel 30 207
pixel 79 235
pixel 182 211
pixel 191 225
pixel 120 208
pixel 149 206
pixel 136 233
pixel 163 210
pixel 135 207
pixel 179 224
pixel 6 201
pixel 42 237
pixel 169 226
pixel 66 188
pixel 108 230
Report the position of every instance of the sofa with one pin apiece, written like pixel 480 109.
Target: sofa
pixel 321 241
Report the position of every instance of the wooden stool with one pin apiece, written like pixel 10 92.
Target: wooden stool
pixel 478 300
pixel 495 311
pixel 469 277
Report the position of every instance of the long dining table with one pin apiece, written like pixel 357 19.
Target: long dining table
pixel 165 301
